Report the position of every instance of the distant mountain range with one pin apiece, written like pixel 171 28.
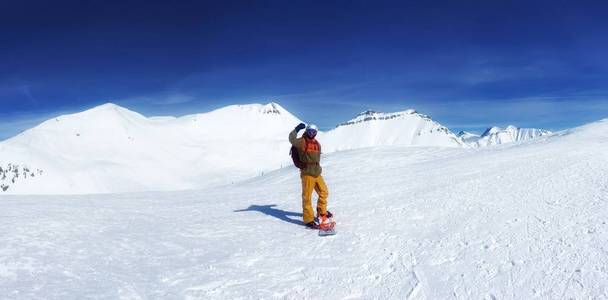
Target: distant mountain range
pixel 112 149
pixel 495 136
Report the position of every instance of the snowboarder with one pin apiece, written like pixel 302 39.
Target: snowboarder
pixel 309 154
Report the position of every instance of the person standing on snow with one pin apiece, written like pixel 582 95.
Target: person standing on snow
pixel 309 152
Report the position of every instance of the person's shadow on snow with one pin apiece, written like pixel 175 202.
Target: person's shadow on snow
pixel 273 212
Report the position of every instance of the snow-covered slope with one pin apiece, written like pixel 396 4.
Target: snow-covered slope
pixel 112 149
pixel 511 222
pixel 406 128
pixel 496 135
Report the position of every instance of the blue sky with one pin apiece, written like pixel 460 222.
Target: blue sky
pixel 467 64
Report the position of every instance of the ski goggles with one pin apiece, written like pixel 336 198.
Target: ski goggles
pixel 311 132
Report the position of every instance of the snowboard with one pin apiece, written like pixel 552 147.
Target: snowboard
pixel 328 227
pixel 328 230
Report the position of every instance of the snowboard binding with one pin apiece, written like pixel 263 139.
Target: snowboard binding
pixel 326 224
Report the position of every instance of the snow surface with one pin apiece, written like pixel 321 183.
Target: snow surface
pixel 519 221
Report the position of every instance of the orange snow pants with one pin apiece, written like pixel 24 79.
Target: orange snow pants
pixel 310 183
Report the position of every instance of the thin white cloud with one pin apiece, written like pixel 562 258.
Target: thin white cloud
pixel 26 91
pixel 175 99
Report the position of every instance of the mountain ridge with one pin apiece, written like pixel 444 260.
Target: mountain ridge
pixel 404 128
pixel 109 148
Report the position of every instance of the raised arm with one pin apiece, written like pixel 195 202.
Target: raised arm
pixel 293 135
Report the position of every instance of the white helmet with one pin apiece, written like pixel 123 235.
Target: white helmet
pixel 312 126
pixel 311 130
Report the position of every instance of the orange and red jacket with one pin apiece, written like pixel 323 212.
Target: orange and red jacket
pixel 309 151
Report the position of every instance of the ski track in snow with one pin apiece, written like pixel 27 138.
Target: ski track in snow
pixel 511 222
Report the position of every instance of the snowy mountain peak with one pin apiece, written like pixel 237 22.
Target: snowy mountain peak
pixel 107 106
pixel 405 128
pixel 496 135
pixel 106 117
pixel 491 130
pixel 495 129
pixel 104 111
pixel 371 115
pixel 465 133
pixel 269 109
pixel 367 113
pixel 272 108
pixel 468 136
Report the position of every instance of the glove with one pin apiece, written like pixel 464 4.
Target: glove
pixel 300 127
